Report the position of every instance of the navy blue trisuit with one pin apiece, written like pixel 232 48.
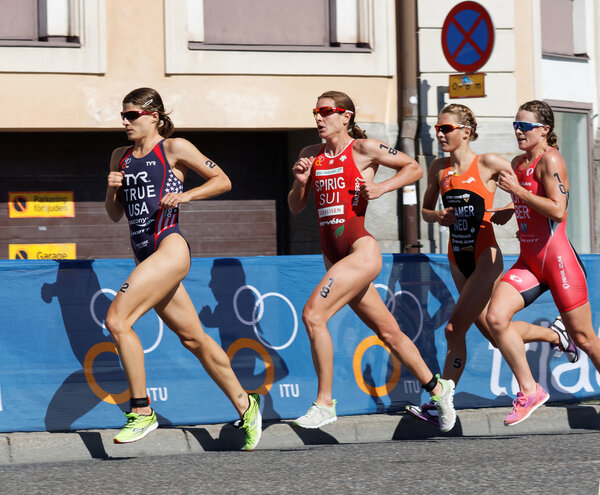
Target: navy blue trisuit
pixel 145 181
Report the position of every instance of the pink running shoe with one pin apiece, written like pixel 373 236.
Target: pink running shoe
pixel 524 405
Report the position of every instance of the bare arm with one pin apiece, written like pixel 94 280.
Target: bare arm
pixel 552 172
pixel 113 206
pixel 491 165
pixel 370 153
pixel 300 191
pixel 184 155
pixel 445 216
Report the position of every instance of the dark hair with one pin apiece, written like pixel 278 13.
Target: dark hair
pixel 149 99
pixel 465 117
pixel 544 115
pixel 342 100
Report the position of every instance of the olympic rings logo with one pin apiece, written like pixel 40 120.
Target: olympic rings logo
pixel 391 305
pixel 100 324
pixel 100 347
pixel 358 376
pixel 259 306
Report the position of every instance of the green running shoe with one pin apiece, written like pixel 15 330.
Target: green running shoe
pixel 251 422
pixel 137 427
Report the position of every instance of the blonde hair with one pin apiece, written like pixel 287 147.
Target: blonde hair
pixel 464 115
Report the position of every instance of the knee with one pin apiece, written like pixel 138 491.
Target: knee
pixel 584 342
pixel 190 344
pixel 313 320
pixel 454 334
pixel 116 325
pixel 193 341
pixel 495 320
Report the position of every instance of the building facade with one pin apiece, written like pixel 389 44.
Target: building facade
pixel 240 80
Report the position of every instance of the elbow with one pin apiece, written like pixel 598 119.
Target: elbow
pixel 558 218
pixel 294 209
pixel 417 171
pixel 226 185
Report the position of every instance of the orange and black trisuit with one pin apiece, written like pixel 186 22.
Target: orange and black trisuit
pixel 340 207
pixel 472 233
pixel 547 259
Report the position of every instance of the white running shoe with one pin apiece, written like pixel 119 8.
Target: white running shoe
pixel 444 404
pixel 317 416
pixel 565 344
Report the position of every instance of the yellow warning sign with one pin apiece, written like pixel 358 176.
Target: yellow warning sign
pixel 65 251
pixel 467 85
pixel 41 204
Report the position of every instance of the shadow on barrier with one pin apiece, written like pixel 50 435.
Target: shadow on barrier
pixel 82 305
pixel 421 303
pixel 235 316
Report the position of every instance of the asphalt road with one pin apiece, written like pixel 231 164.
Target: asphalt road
pixel 523 464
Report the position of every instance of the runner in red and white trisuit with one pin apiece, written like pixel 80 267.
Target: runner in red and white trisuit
pixel 539 185
pixel 341 173
pixel 340 206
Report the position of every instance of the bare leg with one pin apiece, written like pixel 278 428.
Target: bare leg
pixel 149 283
pixel 373 312
pixel 342 282
pixel 475 293
pixel 178 312
pixel 579 325
pixel 506 301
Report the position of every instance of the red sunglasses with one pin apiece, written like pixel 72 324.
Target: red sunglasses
pixel 446 128
pixel 327 111
pixel 132 115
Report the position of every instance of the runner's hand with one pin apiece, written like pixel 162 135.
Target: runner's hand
pixel 369 189
pixel 115 179
pixel 446 217
pixel 302 168
pixel 500 216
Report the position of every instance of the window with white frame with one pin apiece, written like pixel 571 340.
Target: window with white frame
pixel 572 124
pixel 38 22
pixel 564 28
pixel 67 36
pixel 288 25
pixel 327 37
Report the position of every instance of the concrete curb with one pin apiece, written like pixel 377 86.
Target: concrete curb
pixel 38 447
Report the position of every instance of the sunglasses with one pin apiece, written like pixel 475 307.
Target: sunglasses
pixel 327 111
pixel 525 126
pixel 446 128
pixel 132 115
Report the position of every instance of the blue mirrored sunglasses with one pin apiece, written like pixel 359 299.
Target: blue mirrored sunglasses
pixel 525 126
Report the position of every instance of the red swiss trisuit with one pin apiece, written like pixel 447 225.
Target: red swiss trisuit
pixel 340 207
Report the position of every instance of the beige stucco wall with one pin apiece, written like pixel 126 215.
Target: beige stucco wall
pixel 135 56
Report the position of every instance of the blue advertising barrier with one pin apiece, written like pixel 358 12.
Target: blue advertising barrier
pixel 59 369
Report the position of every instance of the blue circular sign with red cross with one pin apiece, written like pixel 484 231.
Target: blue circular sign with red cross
pixel 467 37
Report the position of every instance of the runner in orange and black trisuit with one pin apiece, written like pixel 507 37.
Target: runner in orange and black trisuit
pixel 467 186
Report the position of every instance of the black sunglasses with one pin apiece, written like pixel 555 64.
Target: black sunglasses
pixel 132 115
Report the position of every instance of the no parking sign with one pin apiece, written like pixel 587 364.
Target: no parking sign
pixel 467 37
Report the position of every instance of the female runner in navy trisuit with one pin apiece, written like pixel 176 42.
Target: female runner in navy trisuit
pixel 340 172
pixel 539 186
pixel 146 183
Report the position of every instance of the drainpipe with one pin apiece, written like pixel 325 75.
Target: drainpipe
pixel 406 52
